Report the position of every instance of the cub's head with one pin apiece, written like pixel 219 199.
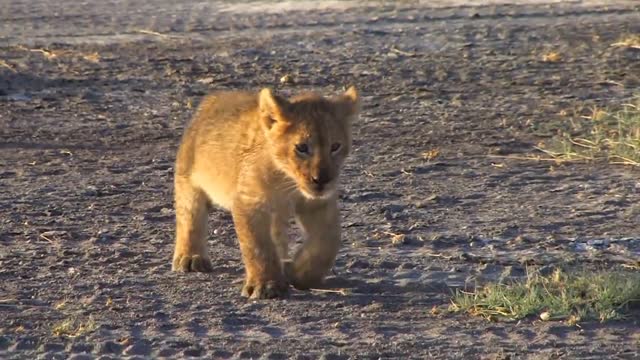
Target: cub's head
pixel 309 137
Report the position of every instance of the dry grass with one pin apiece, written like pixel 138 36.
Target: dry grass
pixel 73 327
pixel 573 297
pixel 629 41
pixel 430 154
pixel 51 55
pixel 552 57
pixel 603 135
pixel 5 64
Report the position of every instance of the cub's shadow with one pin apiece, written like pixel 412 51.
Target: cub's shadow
pixel 355 291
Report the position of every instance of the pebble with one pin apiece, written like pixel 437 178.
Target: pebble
pixel 206 80
pixel 90 191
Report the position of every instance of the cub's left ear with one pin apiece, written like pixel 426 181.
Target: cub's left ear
pixel 350 103
pixel 272 108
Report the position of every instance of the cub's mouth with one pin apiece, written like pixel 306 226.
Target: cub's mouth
pixel 315 192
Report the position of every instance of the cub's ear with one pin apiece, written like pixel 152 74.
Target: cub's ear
pixel 272 107
pixel 350 103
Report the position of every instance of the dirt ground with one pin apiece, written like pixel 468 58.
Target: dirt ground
pixel 94 97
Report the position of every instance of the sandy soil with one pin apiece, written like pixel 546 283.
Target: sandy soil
pixel 88 134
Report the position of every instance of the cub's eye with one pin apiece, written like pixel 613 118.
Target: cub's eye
pixel 335 147
pixel 302 149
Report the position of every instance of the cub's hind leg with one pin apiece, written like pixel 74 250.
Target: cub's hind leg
pixel 191 228
pixel 320 221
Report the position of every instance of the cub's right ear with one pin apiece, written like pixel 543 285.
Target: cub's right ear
pixel 271 107
pixel 350 103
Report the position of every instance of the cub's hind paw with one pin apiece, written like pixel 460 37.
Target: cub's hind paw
pixel 191 263
pixel 300 277
pixel 265 290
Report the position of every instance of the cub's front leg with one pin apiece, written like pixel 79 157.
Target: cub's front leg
pixel 320 221
pixel 263 270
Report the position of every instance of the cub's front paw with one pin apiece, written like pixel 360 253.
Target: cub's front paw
pixel 254 289
pixel 191 263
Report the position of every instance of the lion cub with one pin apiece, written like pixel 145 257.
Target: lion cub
pixel 266 159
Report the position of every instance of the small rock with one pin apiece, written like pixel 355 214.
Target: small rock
pixel 392 55
pixel 598 243
pixel 286 79
pixel 206 81
pixel 581 247
pixel 90 191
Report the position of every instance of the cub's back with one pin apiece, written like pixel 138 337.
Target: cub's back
pixel 211 152
pixel 217 129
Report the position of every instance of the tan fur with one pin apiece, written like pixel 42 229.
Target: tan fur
pixel 246 153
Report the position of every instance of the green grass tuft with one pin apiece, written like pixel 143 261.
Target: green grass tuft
pixel 576 296
pixel 604 135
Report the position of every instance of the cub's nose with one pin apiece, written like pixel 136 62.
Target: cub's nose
pixel 320 179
